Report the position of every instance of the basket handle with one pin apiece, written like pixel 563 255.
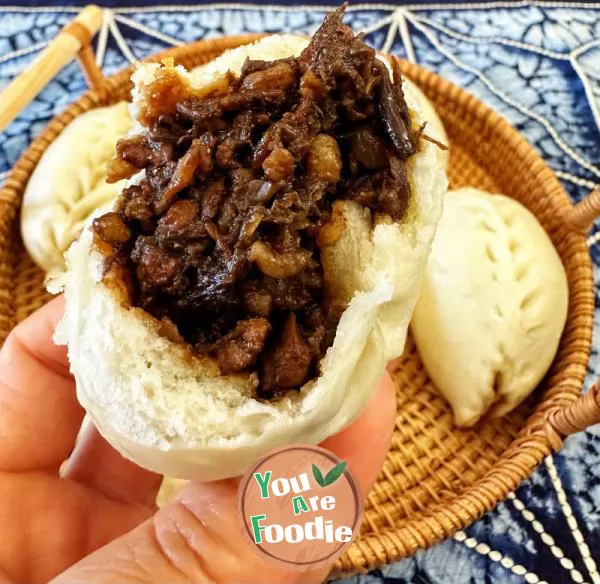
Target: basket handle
pixel 86 57
pixel 74 38
pixel 576 417
pixel 582 215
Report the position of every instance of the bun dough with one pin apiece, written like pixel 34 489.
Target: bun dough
pixel 171 412
pixel 493 306
pixel 68 183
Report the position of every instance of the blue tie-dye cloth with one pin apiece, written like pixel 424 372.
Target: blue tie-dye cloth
pixel 539 66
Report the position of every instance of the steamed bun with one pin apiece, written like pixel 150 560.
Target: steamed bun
pixel 170 410
pixel 68 183
pixel 493 306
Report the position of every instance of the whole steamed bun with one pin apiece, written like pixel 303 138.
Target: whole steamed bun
pixel 493 306
pixel 68 183
pixel 170 410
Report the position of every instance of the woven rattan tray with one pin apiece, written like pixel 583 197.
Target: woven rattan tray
pixel 436 479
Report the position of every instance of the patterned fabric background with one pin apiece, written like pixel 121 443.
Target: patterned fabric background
pixel 539 66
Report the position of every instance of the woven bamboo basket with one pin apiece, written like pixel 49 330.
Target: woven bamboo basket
pixel 436 478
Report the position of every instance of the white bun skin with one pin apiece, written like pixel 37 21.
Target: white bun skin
pixel 172 412
pixel 493 306
pixel 68 183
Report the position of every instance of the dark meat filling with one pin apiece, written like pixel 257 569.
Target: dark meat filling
pixel 220 236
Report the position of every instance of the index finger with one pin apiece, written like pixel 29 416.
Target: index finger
pixel 39 412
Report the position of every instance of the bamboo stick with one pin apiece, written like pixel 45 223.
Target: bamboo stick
pixel 23 89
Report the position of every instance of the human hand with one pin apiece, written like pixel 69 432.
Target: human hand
pixel 97 521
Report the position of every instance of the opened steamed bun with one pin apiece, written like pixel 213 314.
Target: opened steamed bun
pixel 171 410
pixel 68 183
pixel 493 305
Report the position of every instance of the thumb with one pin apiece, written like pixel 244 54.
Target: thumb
pixel 197 537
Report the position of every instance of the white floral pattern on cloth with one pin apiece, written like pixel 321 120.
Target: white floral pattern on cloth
pixel 539 66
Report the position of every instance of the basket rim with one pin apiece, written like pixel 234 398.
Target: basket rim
pixel 531 445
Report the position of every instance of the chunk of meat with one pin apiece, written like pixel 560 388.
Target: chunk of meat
pixel 239 179
pixel 212 198
pixel 158 178
pixel 253 65
pixel 235 140
pixel 135 151
pixel 181 222
pixel 169 129
pixel 279 76
pixel 239 350
pixel 287 364
pixel 111 228
pixel 154 268
pixel 198 158
pixel 137 203
pixel 140 152
pixel 288 294
pixel 385 191
pixel 210 293
pixel 211 109
pixel 335 54
pixel 294 131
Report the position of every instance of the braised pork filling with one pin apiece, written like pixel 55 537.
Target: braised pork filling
pixel 221 236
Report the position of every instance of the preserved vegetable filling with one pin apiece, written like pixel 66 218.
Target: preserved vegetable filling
pixel 219 237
